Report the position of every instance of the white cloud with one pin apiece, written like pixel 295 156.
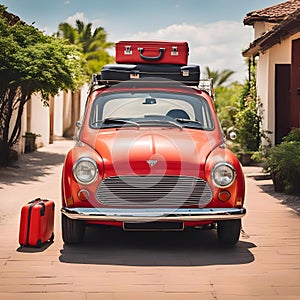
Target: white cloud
pixel 81 16
pixel 77 16
pixel 216 45
pixel 97 23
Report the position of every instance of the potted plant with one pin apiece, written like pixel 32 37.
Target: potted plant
pixel 30 141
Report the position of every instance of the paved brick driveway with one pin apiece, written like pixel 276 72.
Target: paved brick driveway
pixel 112 264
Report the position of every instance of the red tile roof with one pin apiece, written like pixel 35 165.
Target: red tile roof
pixel 286 28
pixel 273 14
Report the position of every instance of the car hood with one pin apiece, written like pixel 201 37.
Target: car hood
pixel 154 151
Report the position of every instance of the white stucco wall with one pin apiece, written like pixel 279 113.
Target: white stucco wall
pixel 40 117
pixel 19 146
pixel 40 120
pixel 58 114
pixel 262 79
pixel 261 28
pixel 278 54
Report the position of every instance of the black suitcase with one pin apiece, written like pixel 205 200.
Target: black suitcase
pixel 115 73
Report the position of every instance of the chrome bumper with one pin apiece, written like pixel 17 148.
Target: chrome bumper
pixel 153 214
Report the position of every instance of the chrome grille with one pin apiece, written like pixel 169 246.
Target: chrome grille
pixel 154 191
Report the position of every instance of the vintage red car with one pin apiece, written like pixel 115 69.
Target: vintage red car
pixel 151 155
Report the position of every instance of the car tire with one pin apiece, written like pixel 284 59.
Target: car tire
pixel 229 231
pixel 72 230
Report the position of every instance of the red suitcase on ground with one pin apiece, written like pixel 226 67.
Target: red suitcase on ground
pixel 37 223
pixel 152 52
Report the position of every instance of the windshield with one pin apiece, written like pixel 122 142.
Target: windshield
pixel 151 109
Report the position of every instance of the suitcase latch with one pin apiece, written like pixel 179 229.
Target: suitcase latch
pixel 127 50
pixel 174 51
pixel 185 73
pixel 134 75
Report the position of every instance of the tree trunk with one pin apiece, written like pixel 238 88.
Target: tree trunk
pixel 4 153
pixel 4 143
pixel 17 127
pixel 15 99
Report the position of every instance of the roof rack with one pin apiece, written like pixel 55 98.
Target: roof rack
pixel 206 84
pixel 95 82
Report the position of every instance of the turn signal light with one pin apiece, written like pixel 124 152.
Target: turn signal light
pixel 224 196
pixel 83 195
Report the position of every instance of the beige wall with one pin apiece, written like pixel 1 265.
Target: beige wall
pixel 58 114
pixel 19 147
pixel 39 120
pixel 278 54
pixel 39 123
pixel 262 88
pixel 261 28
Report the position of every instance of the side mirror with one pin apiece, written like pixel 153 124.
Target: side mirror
pixel 78 124
pixel 232 135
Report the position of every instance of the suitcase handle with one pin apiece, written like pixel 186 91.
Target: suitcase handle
pixel 151 58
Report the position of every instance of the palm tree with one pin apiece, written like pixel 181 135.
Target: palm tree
pixel 219 77
pixel 66 31
pixel 93 46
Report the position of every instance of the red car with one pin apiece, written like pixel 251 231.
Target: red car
pixel 151 155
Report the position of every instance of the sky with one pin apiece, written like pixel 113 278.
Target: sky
pixel 213 28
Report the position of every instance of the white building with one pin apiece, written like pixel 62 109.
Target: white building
pixel 277 46
pixel 53 121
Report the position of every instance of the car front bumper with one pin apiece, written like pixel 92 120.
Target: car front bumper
pixel 153 214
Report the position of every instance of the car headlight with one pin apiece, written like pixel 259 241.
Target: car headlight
pixel 223 174
pixel 85 170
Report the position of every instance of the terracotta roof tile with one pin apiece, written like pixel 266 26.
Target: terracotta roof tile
pixel 286 28
pixel 273 14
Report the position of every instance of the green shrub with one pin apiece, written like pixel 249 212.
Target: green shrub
pixel 248 124
pixel 283 163
pixel 293 136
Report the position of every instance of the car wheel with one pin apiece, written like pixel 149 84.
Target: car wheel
pixel 72 230
pixel 229 231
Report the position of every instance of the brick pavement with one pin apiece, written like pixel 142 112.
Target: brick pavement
pixel 112 264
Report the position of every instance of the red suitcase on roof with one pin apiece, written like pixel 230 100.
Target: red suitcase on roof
pixel 152 52
pixel 37 223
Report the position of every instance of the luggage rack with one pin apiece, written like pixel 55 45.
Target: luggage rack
pixel 96 82
pixel 207 85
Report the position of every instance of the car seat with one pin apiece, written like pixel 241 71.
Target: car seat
pixel 178 113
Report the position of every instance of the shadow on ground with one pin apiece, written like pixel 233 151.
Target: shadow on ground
pixel 192 247
pixel 30 167
pixel 292 201
pixel 29 249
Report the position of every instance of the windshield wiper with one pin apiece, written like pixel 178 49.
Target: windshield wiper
pixel 138 124
pixel 180 120
pixel 116 120
pixel 150 121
